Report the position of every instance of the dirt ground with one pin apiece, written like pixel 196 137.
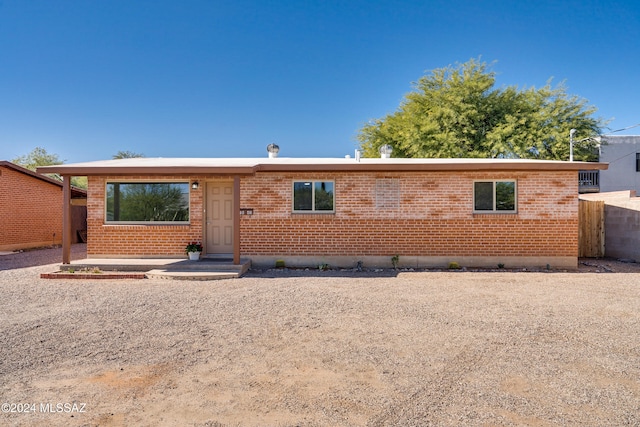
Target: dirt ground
pixel 335 348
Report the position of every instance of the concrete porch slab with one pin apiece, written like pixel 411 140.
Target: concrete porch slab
pixel 190 275
pixel 169 268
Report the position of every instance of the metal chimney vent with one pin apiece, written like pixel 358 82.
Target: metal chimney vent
pixel 385 151
pixel 273 150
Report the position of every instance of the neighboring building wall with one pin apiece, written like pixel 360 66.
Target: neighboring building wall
pixel 621 223
pixel 429 221
pixel 30 211
pixel 620 152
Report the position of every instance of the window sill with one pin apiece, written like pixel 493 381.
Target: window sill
pixel 492 213
pixel 306 214
pixel 144 224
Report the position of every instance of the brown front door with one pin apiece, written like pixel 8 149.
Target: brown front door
pixel 219 218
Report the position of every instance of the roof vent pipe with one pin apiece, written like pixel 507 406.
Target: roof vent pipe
pixel 273 149
pixel 385 151
pixel 357 155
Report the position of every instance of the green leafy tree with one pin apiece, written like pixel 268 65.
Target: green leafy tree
pixel 127 155
pixel 80 182
pixel 40 157
pixel 37 157
pixel 457 112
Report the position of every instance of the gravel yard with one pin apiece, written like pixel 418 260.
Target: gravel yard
pixel 335 348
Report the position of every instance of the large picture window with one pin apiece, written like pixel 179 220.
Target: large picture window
pixel 494 196
pixel 313 196
pixel 137 202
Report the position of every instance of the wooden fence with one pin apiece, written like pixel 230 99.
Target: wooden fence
pixel 591 229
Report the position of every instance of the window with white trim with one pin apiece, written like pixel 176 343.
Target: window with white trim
pixel 494 196
pixel 313 196
pixel 147 202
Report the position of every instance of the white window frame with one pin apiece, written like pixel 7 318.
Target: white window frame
pixel 494 209
pixel 313 196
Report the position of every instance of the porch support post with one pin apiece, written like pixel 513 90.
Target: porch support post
pixel 66 219
pixel 236 219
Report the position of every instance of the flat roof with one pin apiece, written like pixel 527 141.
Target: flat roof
pixel 244 166
pixel 621 139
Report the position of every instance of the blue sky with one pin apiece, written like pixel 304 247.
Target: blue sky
pixel 191 78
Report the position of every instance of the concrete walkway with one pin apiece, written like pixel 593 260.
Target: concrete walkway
pixel 167 268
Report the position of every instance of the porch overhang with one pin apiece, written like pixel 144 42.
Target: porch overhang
pixel 248 166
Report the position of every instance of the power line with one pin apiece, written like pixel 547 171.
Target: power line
pixel 620 158
pixel 628 154
pixel 620 130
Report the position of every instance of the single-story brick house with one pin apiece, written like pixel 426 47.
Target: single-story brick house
pixel 31 208
pixel 428 212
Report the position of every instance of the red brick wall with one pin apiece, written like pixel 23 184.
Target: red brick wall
pixel 434 217
pixel 30 211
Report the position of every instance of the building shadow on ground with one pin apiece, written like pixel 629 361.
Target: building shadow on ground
pixel 40 256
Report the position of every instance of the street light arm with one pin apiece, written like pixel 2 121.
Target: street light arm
pixel 572 132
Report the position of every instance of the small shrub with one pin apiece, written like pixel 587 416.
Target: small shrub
pixel 280 263
pixel 454 266
pixel 501 265
pixel 395 260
